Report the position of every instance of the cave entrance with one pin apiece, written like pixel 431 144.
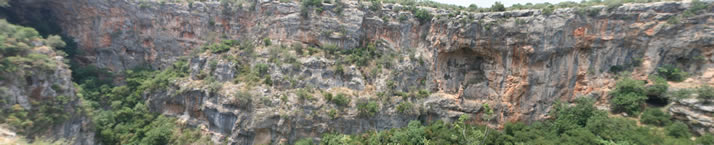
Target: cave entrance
pixel 657 101
pixel 460 70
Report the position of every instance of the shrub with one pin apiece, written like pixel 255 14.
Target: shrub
pixel 423 15
pixel 658 88
pixel 656 91
pixel 332 113
pixel 304 141
pixel 671 73
pixel 376 5
pixel 655 116
pixel 628 96
pixel 309 3
pixel 303 94
pixel 705 139
pixel 680 94
pixel 705 93
pixel 630 103
pixel 367 109
pixel 498 7
pixel 261 69
pixel 217 48
pixel 548 10
pixel 328 96
pixel 55 41
pixel 678 130
pixel 405 107
pixel 573 117
pixel 267 42
pixel 423 93
pixel 340 99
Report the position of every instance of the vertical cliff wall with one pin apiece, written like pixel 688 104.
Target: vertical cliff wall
pixel 519 62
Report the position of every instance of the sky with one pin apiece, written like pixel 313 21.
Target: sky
pixel 488 3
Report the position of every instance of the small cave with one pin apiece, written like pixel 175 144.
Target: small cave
pixel 459 69
pixel 657 101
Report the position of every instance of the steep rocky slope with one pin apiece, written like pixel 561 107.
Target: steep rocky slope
pixel 38 97
pixel 517 62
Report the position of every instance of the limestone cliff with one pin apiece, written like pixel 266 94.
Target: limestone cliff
pixel 37 96
pixel 518 62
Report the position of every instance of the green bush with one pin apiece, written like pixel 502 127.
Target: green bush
pixel 655 116
pixel 267 42
pixel 304 141
pixel 678 130
pixel 423 15
pixel 672 73
pixel 367 109
pixel 261 69
pixel 657 91
pixel 376 5
pixel 498 7
pixel 568 118
pixel 579 124
pixel 706 139
pixel 340 99
pixel 405 107
pixel 705 93
pixel 303 94
pixel 332 113
pixel 217 48
pixel 55 41
pixel 630 103
pixel 628 96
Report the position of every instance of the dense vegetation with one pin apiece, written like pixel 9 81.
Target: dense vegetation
pixel 118 112
pixel 579 124
pixel 120 115
pixel 20 56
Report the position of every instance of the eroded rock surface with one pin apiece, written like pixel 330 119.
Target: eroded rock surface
pixel 519 62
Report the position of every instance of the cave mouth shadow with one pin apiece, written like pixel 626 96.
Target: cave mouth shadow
pixel 657 101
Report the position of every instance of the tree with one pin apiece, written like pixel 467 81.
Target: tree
pixel 672 73
pixel 705 93
pixel 630 103
pixel 55 41
pixel 655 116
pixel 367 109
pixel 628 95
pixel 498 7
pixel 656 91
pixel 706 139
pixel 423 15
pixel 678 129
pixel 473 7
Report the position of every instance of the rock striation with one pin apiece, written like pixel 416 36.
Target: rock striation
pixel 518 62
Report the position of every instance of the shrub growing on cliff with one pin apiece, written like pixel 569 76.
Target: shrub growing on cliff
pixel 706 139
pixel 498 7
pixel 655 116
pixel 656 91
pixel 628 96
pixel 368 108
pixel 705 93
pixel 405 107
pixel 304 141
pixel 678 129
pixel 423 15
pixel 340 99
pixel 671 73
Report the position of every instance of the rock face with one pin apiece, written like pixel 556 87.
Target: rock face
pixel 695 113
pixel 31 88
pixel 518 62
